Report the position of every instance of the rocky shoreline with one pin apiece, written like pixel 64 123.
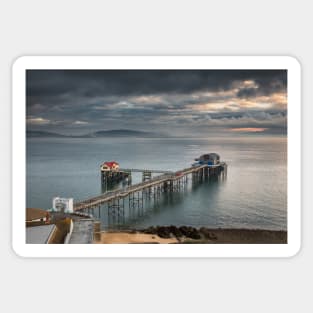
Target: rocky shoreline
pixel 188 234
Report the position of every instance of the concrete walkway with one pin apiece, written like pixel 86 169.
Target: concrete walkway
pixel 82 232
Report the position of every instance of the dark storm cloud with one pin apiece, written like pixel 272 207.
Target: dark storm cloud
pixel 102 99
pixel 95 83
pixel 264 87
pixel 247 93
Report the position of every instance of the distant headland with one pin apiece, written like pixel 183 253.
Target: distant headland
pixel 97 134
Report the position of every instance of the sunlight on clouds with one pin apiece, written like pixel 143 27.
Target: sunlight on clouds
pixel 147 99
pixel 244 84
pixel 280 99
pixel 257 103
pixel 215 107
pixel 248 129
pixel 274 101
pixel 80 123
pixel 249 84
pixel 38 121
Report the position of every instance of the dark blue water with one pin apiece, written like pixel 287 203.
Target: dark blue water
pixel 254 195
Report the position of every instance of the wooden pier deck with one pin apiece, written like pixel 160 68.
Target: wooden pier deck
pixel 137 170
pixel 168 181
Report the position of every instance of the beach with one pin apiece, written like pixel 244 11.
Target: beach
pixel 190 235
pixel 124 237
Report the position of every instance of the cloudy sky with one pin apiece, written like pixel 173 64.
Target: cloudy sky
pixel 178 102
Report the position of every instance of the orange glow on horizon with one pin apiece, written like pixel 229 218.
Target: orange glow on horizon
pixel 249 129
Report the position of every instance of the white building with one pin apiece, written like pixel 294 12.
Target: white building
pixel 63 205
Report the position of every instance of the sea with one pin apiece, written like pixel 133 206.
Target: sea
pixel 252 195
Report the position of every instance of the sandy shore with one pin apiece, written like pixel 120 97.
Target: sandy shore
pixel 123 237
pixel 190 235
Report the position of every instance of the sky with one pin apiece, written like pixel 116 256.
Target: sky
pixel 172 102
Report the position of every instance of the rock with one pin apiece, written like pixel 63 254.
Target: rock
pixel 163 232
pixel 178 232
pixel 175 231
pixel 184 230
pixel 194 233
pixel 150 230
pixel 190 232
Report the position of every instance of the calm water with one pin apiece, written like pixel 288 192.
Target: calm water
pixel 254 194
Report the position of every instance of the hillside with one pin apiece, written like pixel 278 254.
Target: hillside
pixel 97 134
pixel 44 134
pixel 121 133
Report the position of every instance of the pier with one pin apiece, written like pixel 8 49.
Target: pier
pixel 133 196
pixel 111 177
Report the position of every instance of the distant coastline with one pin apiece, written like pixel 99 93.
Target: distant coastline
pixel 116 133
pixel 97 134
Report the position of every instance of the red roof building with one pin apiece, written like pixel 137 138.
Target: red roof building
pixel 109 166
